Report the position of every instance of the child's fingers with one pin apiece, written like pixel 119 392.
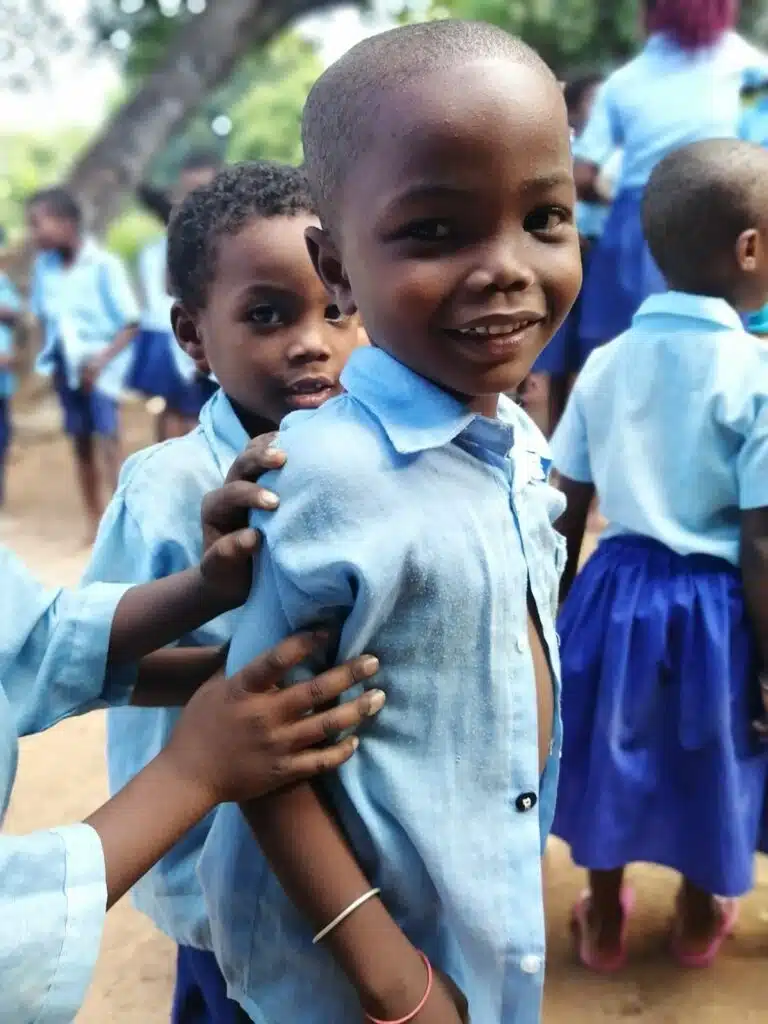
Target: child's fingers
pixel 257 458
pixel 233 548
pixel 298 767
pixel 320 728
pixel 299 700
pixel 232 502
pixel 270 669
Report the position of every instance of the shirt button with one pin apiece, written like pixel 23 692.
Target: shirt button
pixel 520 644
pixel 526 802
pixel 531 964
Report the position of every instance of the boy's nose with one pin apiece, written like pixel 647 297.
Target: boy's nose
pixel 501 269
pixel 308 346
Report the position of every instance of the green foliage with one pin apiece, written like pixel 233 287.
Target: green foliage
pixel 130 232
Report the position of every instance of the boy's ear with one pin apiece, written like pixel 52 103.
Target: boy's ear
pixel 330 269
pixel 749 250
pixel 188 336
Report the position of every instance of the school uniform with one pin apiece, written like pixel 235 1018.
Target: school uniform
pixel 150 530
pixel 419 527
pixel 663 99
pixel 670 424
pixel 160 367
pixel 82 307
pixel 53 654
pixel 9 298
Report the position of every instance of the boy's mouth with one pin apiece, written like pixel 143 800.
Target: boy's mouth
pixel 496 334
pixel 310 392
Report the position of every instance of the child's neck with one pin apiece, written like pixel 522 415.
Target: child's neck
pixel 253 424
pixel 71 251
pixel 485 405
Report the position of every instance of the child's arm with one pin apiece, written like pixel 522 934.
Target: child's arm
pixel 237 739
pixel 572 525
pixel 9 315
pixel 124 310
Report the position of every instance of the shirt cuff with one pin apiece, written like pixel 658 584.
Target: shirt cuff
pixel 91 630
pixel 85 892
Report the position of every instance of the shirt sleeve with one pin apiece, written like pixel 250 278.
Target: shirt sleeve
pixel 52 908
pixel 752 465
pixel 602 134
pixel 332 527
pixel 53 648
pixel 9 297
pixel 570 447
pixel 119 295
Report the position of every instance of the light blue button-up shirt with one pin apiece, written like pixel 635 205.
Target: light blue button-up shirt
pixel 82 307
pixel 150 530
pixel 9 298
pixel 664 99
pixel 670 423
pixel 53 892
pixel 157 303
pixel 419 526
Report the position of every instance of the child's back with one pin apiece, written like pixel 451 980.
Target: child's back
pixel 667 422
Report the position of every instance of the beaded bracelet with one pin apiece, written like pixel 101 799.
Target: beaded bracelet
pixel 414 1014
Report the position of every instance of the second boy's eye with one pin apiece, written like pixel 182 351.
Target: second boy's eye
pixel 547 220
pixel 334 315
pixel 265 316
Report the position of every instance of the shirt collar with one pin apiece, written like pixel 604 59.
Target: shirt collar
pixel 223 431
pixel 415 414
pixel 683 305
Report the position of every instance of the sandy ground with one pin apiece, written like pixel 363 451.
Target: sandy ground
pixel 62 778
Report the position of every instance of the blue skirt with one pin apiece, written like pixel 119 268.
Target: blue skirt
pixel 621 275
pixel 155 373
pixel 659 691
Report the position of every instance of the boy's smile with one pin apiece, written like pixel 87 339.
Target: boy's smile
pixel 455 234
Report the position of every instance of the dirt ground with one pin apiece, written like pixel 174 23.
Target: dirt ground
pixel 62 778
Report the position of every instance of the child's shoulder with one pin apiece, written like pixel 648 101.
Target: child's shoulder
pixel 169 474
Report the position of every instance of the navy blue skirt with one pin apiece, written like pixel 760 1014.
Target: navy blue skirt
pixel 660 763
pixel 620 277
pixel 562 355
pixel 155 373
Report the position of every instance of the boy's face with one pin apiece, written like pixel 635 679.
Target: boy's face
pixel 269 331
pixel 455 235
pixel 48 231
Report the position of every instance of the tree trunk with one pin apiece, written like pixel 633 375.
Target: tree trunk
pixel 200 57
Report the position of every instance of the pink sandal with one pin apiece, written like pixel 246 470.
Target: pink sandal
pixel 729 913
pixel 603 963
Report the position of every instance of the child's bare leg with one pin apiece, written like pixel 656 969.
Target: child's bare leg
pixel 88 479
pixel 111 454
pixel 698 918
pixel 606 915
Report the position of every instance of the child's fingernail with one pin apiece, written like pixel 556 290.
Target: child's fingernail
pixel 275 455
pixel 369 664
pixel 268 499
pixel 376 701
pixel 355 742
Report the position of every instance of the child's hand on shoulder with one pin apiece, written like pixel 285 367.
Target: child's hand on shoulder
pixel 240 738
pixel 228 541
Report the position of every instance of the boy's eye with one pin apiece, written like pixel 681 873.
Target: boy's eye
pixel 547 220
pixel 334 315
pixel 265 316
pixel 430 230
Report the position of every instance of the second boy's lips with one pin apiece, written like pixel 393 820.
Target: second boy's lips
pixel 310 391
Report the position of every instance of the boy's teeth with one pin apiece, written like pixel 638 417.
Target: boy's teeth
pixel 494 329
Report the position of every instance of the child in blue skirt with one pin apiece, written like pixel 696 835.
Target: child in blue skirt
pixel 10 308
pixel 665 632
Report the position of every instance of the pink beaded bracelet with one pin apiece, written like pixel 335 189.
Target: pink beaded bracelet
pixel 414 1014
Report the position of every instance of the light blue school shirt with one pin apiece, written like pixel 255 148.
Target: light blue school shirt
pixel 53 891
pixel 82 307
pixel 150 530
pixel 419 526
pixel 9 298
pixel 670 423
pixel 157 303
pixel 664 99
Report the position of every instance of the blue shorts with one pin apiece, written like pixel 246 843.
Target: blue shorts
pixel 156 374
pixel 201 992
pixel 88 413
pixel 6 433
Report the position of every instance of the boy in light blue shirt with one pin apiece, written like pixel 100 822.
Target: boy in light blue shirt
pixel 249 306
pixel 753 127
pixel 85 304
pixel 10 307
pixel 416 514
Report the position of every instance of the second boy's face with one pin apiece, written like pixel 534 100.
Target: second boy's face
pixel 269 331
pixel 456 231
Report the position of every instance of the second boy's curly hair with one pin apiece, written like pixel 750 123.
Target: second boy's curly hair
pixel 235 196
